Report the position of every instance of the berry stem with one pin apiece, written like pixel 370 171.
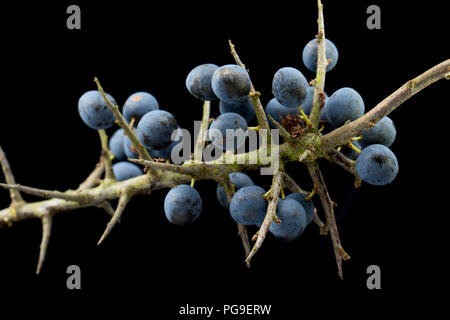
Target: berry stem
pixel 94 177
pixel 109 174
pixel 201 138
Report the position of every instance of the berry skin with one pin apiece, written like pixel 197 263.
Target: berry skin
pixel 231 83
pixel 116 145
pixel 198 82
pixel 309 54
pixel 224 122
pixel 245 109
pixel 277 111
pixel 350 153
pixel 239 179
pixel 384 133
pixel 182 205
pixel 307 205
pixel 137 105
pixel 125 170
pixel 293 220
pixel 345 104
pixel 377 165
pixel 94 112
pixel 248 207
pixel 290 87
pixel 128 148
pixel 155 129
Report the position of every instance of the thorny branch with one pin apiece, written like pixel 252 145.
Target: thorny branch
pixel 93 193
pixel 319 83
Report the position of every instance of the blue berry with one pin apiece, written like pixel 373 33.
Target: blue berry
pixel 293 220
pixel 198 82
pixel 307 205
pixel 182 204
pixel 239 179
pixel 290 87
pixel 218 130
pixel 310 54
pixel 231 83
pixel 94 111
pixel 130 151
pixel 278 112
pixel 116 145
pixel 245 109
pixel 125 170
pixel 165 153
pixel 350 153
pixel 248 207
pixel 137 105
pixel 155 129
pixel 384 132
pixel 345 104
pixel 377 165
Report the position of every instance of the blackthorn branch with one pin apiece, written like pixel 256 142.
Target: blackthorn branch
pixel 303 142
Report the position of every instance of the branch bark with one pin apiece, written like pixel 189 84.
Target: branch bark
pixel 129 132
pixel 277 184
pixel 341 135
pixel 327 204
pixel 319 83
pixel 254 95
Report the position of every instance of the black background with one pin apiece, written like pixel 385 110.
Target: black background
pixel 147 46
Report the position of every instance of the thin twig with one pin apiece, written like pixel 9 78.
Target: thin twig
pixel 94 177
pixel 242 230
pixel 128 131
pixel 327 205
pixel 105 205
pixel 355 128
pixel 275 188
pixel 48 193
pixel 16 197
pixel 322 226
pixel 125 197
pixel 46 231
pixel 109 174
pixel 319 83
pixel 197 170
pixel 283 132
pixel 291 185
pixel 254 95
